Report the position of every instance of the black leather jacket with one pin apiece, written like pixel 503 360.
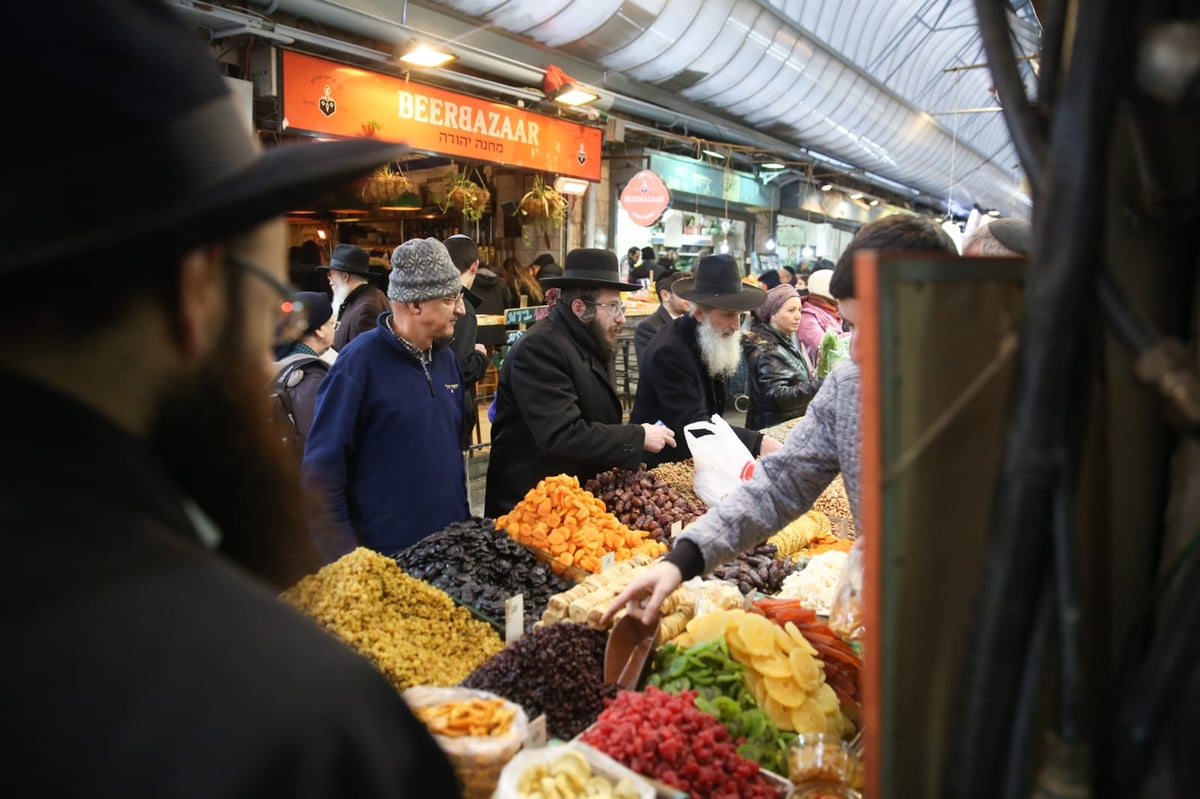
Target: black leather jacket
pixel 780 382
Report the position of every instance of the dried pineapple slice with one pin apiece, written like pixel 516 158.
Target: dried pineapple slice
pixel 806 670
pixel 779 714
pixel 786 692
pixel 798 637
pixel 774 666
pixel 758 633
pixel 807 719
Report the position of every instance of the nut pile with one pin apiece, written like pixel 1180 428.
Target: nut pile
pixel 756 570
pixel 413 632
pixel 482 567
pixel 643 500
pixel 679 475
pixel 558 670
pixel 834 503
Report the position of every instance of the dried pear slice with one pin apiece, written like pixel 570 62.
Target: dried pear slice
pixel 758 633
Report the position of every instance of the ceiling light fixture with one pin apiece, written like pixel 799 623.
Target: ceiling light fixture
pixel 425 55
pixel 773 165
pixel 408 201
pixel 858 195
pixel 714 154
pixel 993 212
pixel 826 187
pixel 565 90
pixel 566 185
pixel 873 202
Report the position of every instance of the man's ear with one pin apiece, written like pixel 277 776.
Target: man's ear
pixel 200 314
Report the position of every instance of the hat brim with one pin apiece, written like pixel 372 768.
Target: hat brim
pixel 279 179
pixel 368 272
pixel 746 299
pixel 587 283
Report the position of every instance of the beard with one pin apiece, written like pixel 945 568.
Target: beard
pixel 721 354
pixel 215 435
pixel 340 292
pixel 596 332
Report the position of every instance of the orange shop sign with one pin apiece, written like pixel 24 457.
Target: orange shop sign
pixel 645 197
pixel 327 98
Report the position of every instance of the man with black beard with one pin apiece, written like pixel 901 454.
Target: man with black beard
pixel 682 377
pixel 150 515
pixel 557 408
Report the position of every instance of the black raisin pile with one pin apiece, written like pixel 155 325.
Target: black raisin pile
pixel 757 570
pixel 482 567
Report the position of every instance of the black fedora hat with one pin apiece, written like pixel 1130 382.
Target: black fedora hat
pixel 716 283
pixel 348 258
pixel 590 269
pixel 168 160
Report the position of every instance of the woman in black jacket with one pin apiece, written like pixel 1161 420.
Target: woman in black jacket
pixel 780 378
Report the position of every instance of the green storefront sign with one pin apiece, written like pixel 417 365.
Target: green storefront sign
pixel 692 177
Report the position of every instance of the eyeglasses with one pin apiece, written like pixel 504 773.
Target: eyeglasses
pixel 454 300
pixel 293 316
pixel 614 308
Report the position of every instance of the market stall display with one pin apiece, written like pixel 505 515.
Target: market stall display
pixel 482 567
pixel 642 500
pixel 815 584
pixel 798 533
pixel 679 475
pixel 479 732
pixel 556 670
pixel 842 665
pixel 573 526
pixel 414 633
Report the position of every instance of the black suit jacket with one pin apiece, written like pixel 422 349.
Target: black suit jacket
pixel 646 329
pixel 674 387
pixel 556 412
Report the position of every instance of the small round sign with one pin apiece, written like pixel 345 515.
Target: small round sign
pixel 645 198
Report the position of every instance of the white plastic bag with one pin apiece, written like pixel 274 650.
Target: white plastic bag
pixel 722 461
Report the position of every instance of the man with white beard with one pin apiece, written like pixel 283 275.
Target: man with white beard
pixel 682 377
pixel 357 303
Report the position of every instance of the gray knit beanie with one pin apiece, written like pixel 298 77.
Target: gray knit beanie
pixel 422 270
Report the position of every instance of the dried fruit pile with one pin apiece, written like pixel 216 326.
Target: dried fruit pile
pixel 758 569
pixel 643 500
pixel 557 669
pixel 572 525
pixel 414 633
pixel 482 567
pixel 666 737
pixel 842 666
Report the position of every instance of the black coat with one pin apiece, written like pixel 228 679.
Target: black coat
pixel 645 330
pixel 471 361
pixel 780 384
pixel 142 664
pixel 674 387
pixel 556 412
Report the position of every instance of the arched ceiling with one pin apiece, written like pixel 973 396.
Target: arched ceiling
pixel 895 88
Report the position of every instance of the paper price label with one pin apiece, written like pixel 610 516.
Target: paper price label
pixel 536 737
pixel 676 528
pixel 608 561
pixel 514 618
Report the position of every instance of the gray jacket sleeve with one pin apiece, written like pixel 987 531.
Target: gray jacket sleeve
pixel 785 483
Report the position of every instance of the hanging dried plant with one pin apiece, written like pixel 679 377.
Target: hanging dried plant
pixel 385 185
pixel 543 203
pixel 467 196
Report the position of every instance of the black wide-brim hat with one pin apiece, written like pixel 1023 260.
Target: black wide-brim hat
pixel 715 282
pixel 348 258
pixel 168 162
pixel 590 269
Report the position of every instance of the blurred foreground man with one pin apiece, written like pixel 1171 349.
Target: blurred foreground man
pixel 149 514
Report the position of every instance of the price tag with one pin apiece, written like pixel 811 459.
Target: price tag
pixel 514 618
pixel 676 528
pixel 537 737
pixel 608 561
